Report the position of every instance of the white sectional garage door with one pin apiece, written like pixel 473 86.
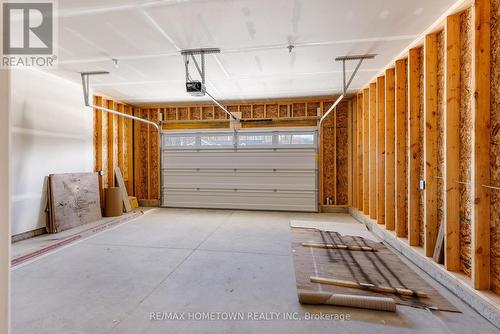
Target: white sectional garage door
pixel 244 170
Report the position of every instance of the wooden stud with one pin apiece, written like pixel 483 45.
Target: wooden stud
pixel 430 140
pixel 390 145
pixel 98 145
pixel 148 154
pixel 452 147
pixel 380 173
pixel 373 150
pixel 360 152
pixel 481 150
pixel 354 157
pixel 414 172
pixel 130 152
pixel 120 142
pixel 111 146
pixel 401 147
pixel 366 161
pixel 334 156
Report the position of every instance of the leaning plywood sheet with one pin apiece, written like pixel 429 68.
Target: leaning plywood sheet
pixel 380 267
pixel 75 199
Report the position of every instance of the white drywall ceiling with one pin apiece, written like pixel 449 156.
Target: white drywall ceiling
pixel 146 37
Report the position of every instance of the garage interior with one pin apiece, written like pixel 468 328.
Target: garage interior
pixel 255 166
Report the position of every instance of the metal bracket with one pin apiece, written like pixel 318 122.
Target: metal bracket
pixel 345 86
pixel 200 67
pixel 86 91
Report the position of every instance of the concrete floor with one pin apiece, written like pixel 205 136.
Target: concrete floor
pixel 173 260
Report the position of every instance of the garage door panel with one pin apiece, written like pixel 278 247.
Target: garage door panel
pixel 256 200
pixel 261 159
pixel 229 179
pixel 272 171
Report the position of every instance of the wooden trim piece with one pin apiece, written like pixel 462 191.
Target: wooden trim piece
pixel 390 145
pixel 414 104
pixel 430 140
pixel 373 150
pixel 380 150
pixel 452 147
pixel 481 150
pixel 366 141
pixel 401 148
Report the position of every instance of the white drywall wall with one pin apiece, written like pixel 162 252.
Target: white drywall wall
pixel 5 202
pixel 51 133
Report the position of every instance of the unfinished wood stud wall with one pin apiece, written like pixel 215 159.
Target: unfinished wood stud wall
pixel 439 111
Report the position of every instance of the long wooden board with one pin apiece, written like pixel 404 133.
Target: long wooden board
pixel 121 184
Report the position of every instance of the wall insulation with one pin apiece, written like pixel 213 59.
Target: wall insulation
pixel 495 145
pixel 466 95
pixel 440 127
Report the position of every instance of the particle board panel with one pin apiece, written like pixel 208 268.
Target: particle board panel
pixel 259 111
pixel 366 152
pixel 481 151
pixel 328 161
pixel 415 149
pixel 431 168
pixel 401 132
pixel 341 154
pixel 183 113
pixel 452 144
pixel 221 114
pixel 298 109
pixel 170 114
pixel 390 150
pixel 495 146
pixel 207 113
pixel 284 110
pixel 141 155
pixel 154 156
pixel 380 150
pixel 272 111
pixel 440 137
pixel 373 150
pixel 195 113
pixel 360 142
pixel 312 108
pixel 466 141
pixel 75 199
